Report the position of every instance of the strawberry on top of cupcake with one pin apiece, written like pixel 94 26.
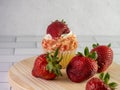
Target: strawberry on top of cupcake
pixel 57 28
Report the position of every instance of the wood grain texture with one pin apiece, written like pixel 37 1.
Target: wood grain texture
pixel 20 78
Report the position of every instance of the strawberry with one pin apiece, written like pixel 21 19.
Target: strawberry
pixel 105 56
pixel 82 67
pixel 57 28
pixel 47 66
pixel 101 83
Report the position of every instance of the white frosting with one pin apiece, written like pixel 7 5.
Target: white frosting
pixel 67 35
pixel 49 37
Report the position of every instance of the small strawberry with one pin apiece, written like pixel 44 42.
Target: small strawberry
pixel 57 28
pixel 47 66
pixel 105 56
pixel 81 67
pixel 101 83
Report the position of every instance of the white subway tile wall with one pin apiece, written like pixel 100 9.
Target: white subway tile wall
pixel 28 17
pixel 5 86
pixel 17 48
pixel 6 51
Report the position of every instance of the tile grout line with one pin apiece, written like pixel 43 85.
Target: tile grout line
pixel 15 39
pixel 13 51
pixel 3 71
pixel 4 82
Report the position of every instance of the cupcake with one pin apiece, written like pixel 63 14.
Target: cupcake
pixel 58 35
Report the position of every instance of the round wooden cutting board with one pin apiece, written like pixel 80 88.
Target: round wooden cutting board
pixel 20 78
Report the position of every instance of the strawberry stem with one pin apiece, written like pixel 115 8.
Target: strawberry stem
pixel 53 63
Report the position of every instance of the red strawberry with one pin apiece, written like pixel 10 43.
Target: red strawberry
pixel 82 67
pixel 100 83
pixel 47 66
pixel 57 28
pixel 105 56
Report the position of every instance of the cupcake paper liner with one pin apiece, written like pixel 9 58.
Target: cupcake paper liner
pixel 67 56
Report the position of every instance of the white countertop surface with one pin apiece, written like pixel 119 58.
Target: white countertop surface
pixel 16 48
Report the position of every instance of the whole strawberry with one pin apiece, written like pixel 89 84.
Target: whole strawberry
pixel 82 67
pixel 105 56
pixel 101 83
pixel 57 28
pixel 47 66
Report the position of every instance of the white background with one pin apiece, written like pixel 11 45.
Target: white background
pixel 84 17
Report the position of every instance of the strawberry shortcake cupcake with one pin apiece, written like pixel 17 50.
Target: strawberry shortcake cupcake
pixel 58 35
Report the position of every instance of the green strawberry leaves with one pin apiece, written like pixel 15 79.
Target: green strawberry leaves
pixel 79 53
pixel 112 85
pixel 109 45
pixel 56 53
pixel 63 21
pixel 101 76
pixel 105 78
pixel 92 55
pixel 87 53
pixel 53 63
pixel 97 44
